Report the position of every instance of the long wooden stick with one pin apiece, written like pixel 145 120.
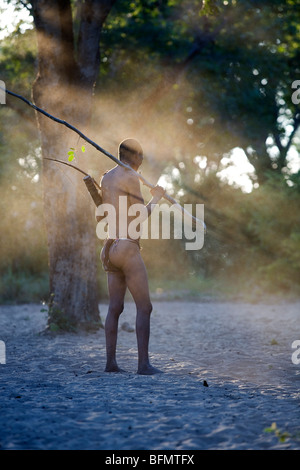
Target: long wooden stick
pixel 75 168
pixel 105 152
pixel 92 186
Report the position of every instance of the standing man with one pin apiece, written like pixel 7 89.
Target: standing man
pixel 122 260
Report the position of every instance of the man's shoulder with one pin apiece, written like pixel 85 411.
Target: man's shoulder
pixel 109 172
pixel 121 175
pixel 107 175
pixel 131 176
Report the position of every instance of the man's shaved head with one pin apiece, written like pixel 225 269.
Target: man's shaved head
pixel 130 151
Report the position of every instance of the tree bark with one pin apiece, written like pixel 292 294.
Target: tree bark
pixel 64 87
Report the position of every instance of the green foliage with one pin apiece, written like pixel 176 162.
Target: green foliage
pixel 200 78
pixel 281 435
pixel 23 248
pixel 239 60
pixel 18 131
pixel 18 59
pixel 252 242
pixel 274 227
pixel 71 153
pixel 22 287
pixel 58 321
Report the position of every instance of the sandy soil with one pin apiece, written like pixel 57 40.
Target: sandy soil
pixel 55 395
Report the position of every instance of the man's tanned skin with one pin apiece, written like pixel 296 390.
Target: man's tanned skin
pixel 125 255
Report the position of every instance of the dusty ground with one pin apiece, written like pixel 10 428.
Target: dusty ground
pixel 55 395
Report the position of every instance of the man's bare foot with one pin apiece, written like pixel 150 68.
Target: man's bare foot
pixel 149 370
pixel 113 368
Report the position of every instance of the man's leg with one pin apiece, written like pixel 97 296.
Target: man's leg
pixel 137 282
pixel 126 256
pixel 116 288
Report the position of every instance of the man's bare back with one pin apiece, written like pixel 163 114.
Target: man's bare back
pixel 122 259
pixel 120 182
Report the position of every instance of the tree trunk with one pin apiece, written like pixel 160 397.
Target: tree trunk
pixel 64 87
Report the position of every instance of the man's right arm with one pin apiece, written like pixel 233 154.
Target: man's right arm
pixel 136 197
pixel 157 193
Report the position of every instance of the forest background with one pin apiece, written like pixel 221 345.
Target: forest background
pixel 207 89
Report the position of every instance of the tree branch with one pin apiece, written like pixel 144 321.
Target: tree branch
pixel 26 5
pixel 105 152
pixel 53 21
pixel 93 16
pixel 296 125
pixel 283 150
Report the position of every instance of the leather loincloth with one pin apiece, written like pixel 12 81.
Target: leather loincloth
pixel 108 266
